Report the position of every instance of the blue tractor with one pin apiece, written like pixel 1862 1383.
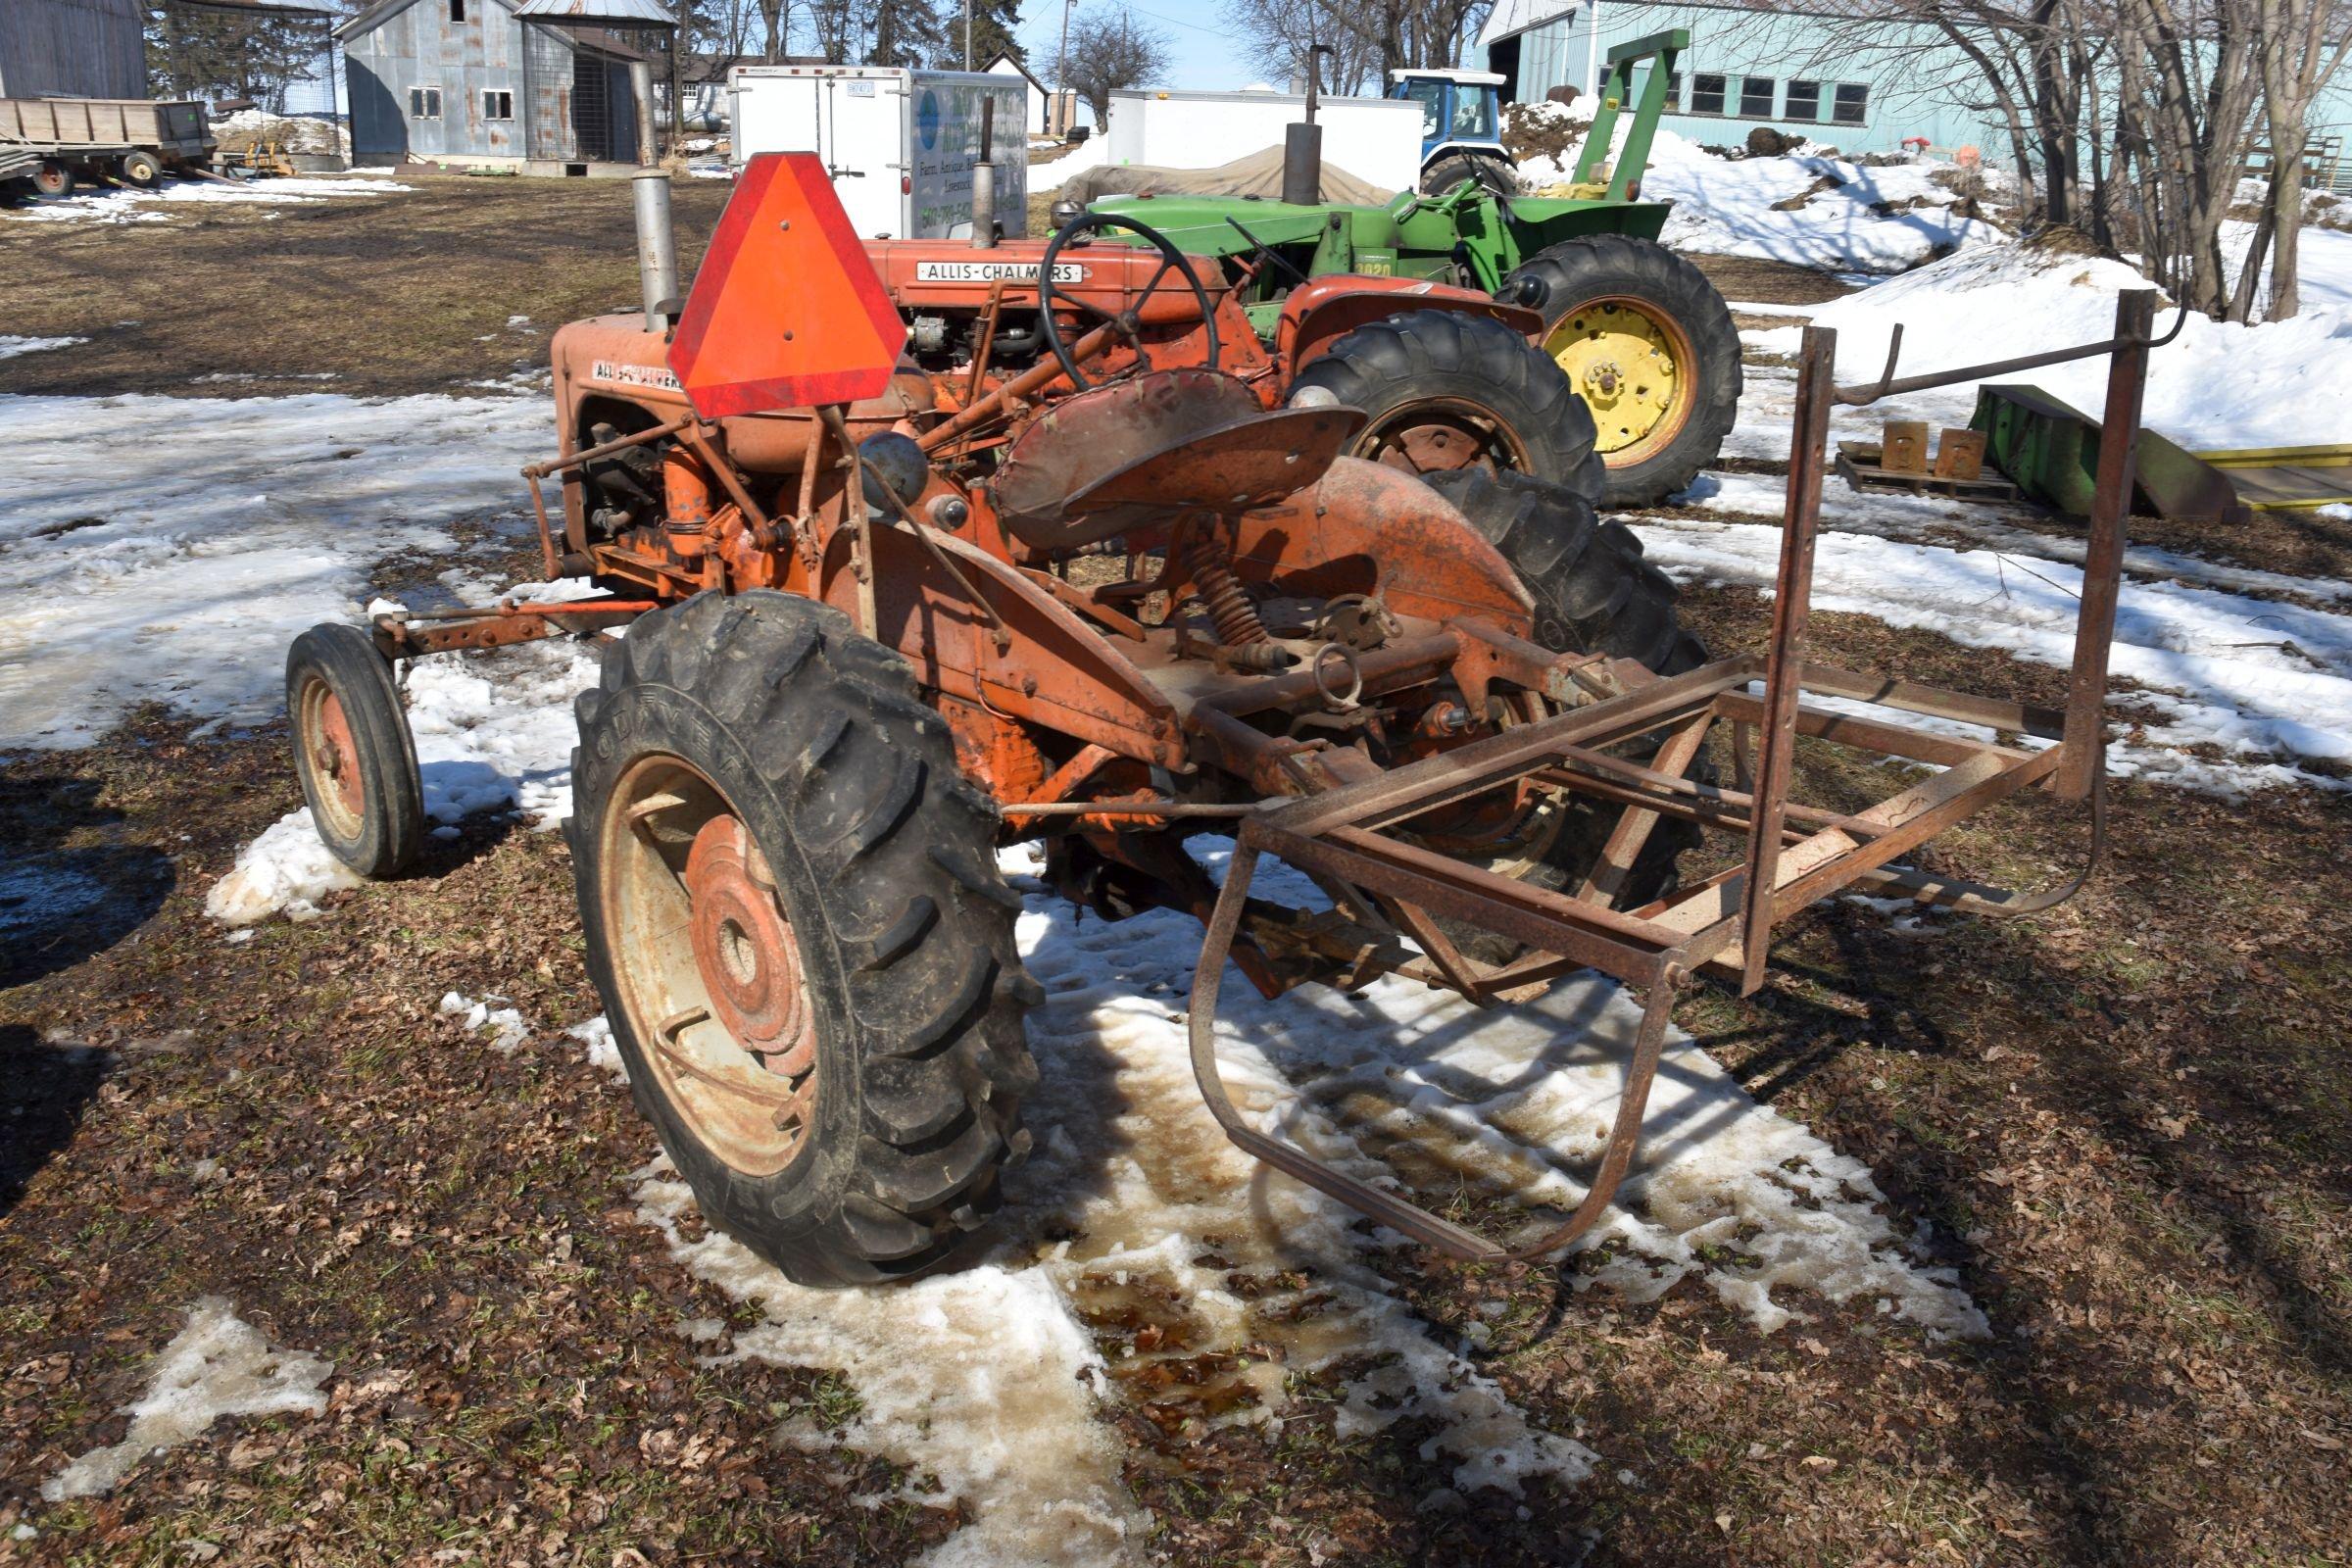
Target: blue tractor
pixel 1461 129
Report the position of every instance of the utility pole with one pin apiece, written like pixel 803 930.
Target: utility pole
pixel 967 35
pixel 1064 109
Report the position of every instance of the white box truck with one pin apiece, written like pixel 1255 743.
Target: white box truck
pixel 899 144
pixel 1378 140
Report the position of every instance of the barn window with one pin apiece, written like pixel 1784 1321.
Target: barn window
pixel 1853 104
pixel 1755 97
pixel 456 10
pixel 424 102
pixel 1805 101
pixel 497 104
pixel 1706 93
pixel 1674 90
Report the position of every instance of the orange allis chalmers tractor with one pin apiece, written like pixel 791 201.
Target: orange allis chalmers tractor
pixel 890 605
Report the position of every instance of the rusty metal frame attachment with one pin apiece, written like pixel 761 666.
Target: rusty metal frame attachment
pixel 1355 834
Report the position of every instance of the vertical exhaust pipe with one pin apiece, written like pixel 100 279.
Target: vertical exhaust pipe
pixel 984 180
pixel 641 88
pixel 1302 145
pixel 656 248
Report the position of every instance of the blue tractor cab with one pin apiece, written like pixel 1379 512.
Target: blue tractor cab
pixel 1461 129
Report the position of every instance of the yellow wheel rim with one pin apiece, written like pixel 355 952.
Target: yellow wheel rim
pixel 1632 365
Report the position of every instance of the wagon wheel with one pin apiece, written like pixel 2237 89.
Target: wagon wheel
pixel 353 750
pixel 53 178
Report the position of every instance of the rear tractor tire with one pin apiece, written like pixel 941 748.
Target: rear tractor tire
pixel 1648 344
pixel 795 918
pixel 1594 594
pixel 353 750
pixel 1488 171
pixel 1445 391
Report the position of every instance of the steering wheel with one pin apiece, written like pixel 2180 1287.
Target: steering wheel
pixel 1127 320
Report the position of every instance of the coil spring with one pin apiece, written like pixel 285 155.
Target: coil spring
pixel 1228 604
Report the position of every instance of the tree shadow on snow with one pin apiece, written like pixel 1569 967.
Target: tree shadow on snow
pixel 71 886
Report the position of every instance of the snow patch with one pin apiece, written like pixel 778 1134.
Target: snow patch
pixel 2216 386
pixel 287 868
pixel 506 1025
pixel 135 206
pixel 166 549
pixel 495 730
pixel 1088 154
pixel 1805 209
pixel 1138 1242
pixel 596 1035
pixel 11 346
pixel 2259 678
pixel 218 1365
pixel 982 1378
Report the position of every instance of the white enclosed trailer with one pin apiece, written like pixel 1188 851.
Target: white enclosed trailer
pixel 899 144
pixel 1378 140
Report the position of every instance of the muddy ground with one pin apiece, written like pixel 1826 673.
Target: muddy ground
pixel 2129 1124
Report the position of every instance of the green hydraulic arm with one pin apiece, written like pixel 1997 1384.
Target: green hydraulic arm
pixel 1617 91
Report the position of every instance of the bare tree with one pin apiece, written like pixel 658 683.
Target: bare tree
pixel 1368 38
pixel 1111 50
pixel 2125 118
pixel 777 17
pixel 1281 33
pixel 2297 60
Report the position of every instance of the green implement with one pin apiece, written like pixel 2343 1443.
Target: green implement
pixel 1642 336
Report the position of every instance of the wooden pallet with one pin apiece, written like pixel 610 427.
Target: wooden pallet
pixel 1858 462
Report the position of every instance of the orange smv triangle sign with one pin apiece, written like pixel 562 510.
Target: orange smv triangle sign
pixel 787 311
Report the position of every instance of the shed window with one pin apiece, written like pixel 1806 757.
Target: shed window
pixel 1805 101
pixel 1755 97
pixel 497 104
pixel 1706 94
pixel 456 10
pixel 1674 90
pixel 424 102
pixel 1853 103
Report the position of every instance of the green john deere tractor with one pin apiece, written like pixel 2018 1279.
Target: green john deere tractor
pixel 1642 336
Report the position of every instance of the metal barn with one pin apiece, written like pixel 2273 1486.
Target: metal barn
pixel 470 81
pixel 73 49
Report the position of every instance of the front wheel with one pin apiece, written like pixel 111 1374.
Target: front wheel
pixel 1445 391
pixel 353 750
pixel 1648 344
pixel 795 918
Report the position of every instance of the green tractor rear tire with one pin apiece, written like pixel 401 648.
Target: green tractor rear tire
pixel 1648 344
pixel 1445 390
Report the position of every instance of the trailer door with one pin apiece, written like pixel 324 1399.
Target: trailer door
pixel 863 146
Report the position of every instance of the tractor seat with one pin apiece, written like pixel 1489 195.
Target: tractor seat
pixel 1129 452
